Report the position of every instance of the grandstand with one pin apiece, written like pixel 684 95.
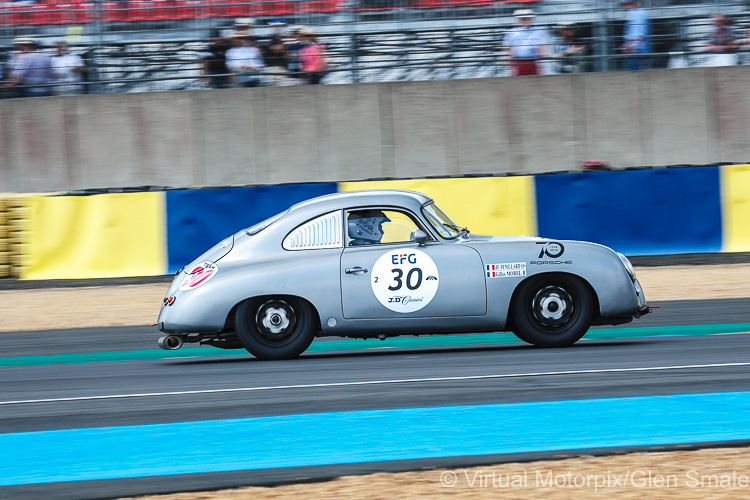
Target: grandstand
pixel 51 12
pixel 136 45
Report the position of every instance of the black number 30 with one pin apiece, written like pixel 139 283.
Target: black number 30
pixel 399 274
pixel 399 282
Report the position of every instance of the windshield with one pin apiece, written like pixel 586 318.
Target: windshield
pixel 441 222
pixel 260 226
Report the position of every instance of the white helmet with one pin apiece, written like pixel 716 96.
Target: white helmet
pixel 366 226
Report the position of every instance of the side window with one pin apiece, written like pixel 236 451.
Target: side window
pixel 321 232
pixel 373 226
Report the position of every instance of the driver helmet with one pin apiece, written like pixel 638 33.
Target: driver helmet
pixel 366 226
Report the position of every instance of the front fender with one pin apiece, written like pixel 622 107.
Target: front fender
pixel 616 293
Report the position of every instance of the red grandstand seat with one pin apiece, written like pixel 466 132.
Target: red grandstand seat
pixel 215 8
pixel 429 4
pixel 84 12
pixel 162 10
pixel 66 12
pixel 255 7
pixel 54 12
pixel 185 10
pixel 112 12
pixel 322 6
pixel 40 14
pixel 239 8
pixel 277 8
pixel 19 15
pixel 137 11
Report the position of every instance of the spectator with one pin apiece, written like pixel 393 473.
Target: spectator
pixel 245 58
pixel 244 25
pixel 313 57
pixel 67 68
pixel 568 49
pixel 637 36
pixel 274 53
pixel 526 45
pixel 277 28
pixel 722 43
pixel 215 63
pixel 30 67
pixel 293 46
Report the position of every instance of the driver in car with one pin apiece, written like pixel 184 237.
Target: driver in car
pixel 365 227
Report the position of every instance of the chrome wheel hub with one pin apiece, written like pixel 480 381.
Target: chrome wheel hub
pixel 275 319
pixel 552 306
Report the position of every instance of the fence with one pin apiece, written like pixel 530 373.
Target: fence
pixel 133 45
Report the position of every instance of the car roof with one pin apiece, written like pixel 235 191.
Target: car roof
pixel 353 199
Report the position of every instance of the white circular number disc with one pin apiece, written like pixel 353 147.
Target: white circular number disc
pixel 404 280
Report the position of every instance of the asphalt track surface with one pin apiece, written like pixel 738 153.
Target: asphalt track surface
pixel 111 377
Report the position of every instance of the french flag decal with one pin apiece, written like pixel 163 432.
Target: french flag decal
pixel 508 270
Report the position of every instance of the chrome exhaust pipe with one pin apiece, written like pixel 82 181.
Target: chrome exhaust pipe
pixel 170 342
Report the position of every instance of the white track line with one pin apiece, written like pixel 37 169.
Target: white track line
pixel 373 382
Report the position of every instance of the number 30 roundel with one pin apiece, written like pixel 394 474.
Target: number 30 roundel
pixel 405 280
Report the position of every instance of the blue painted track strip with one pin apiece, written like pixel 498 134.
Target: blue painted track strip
pixel 369 436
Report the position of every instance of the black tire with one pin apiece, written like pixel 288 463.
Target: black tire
pixel 275 327
pixel 552 310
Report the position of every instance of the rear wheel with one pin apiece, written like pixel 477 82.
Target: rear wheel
pixel 275 327
pixel 552 310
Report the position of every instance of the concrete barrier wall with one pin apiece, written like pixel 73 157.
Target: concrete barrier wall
pixel 347 132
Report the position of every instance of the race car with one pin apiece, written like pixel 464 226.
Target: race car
pixel 381 263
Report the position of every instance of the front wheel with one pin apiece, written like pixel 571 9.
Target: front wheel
pixel 553 310
pixel 275 327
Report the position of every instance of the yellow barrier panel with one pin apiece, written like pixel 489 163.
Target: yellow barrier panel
pixel 735 207
pixel 487 205
pixel 99 236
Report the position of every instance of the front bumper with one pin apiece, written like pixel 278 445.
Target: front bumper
pixel 643 307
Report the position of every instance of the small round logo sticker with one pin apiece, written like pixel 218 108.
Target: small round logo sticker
pixel 199 275
pixel 405 280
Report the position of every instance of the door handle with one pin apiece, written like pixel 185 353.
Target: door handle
pixel 355 270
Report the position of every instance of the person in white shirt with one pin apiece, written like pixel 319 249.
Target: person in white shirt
pixel 526 45
pixel 245 58
pixel 31 70
pixel 67 68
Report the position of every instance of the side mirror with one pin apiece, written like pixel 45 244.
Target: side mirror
pixel 419 236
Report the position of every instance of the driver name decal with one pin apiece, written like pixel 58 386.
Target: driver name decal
pixel 199 275
pixel 405 280
pixel 507 270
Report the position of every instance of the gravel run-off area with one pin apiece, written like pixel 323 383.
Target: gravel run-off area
pixel 686 475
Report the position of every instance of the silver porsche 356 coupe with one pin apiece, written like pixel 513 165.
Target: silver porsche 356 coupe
pixel 375 264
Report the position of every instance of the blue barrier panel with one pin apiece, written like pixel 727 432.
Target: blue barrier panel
pixel 197 219
pixel 637 212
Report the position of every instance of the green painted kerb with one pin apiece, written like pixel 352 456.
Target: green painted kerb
pixel 392 343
